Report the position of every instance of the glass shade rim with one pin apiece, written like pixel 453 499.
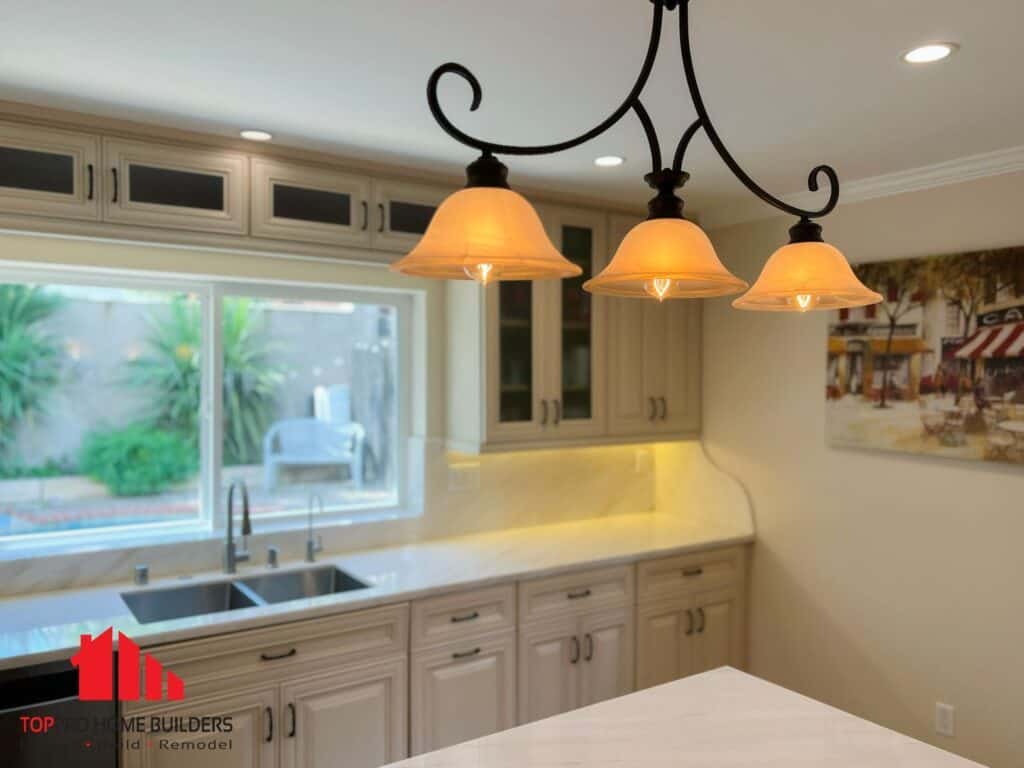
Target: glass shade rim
pixel 766 300
pixel 631 284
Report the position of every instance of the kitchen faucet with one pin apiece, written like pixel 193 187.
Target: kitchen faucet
pixel 313 545
pixel 233 556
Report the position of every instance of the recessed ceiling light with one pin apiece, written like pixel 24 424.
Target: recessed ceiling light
pixel 256 135
pixel 608 161
pixel 926 54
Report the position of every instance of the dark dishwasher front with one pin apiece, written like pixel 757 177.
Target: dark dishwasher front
pixel 43 724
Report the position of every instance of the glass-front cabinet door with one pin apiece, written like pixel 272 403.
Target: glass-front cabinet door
pixel 155 185
pixel 48 172
pixel 401 213
pixel 576 337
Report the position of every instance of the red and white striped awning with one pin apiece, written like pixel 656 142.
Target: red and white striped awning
pixel 994 341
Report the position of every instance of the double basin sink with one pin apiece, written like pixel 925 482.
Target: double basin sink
pixel 168 603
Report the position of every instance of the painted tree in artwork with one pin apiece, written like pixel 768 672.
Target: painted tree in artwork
pixel 905 285
pixel 968 280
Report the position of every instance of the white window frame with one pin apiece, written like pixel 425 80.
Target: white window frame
pixel 211 520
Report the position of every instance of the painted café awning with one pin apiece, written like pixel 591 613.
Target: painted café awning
pixel 994 341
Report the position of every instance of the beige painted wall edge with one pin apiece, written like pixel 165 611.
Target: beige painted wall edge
pixel 880 583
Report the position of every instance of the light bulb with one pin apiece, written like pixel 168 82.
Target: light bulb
pixel 658 287
pixel 482 272
pixel 805 301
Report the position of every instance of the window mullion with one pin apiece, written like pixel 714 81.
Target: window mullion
pixel 214 423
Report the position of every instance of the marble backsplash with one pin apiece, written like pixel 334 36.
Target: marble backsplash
pixel 458 495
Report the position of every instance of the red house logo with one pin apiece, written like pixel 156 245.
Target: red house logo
pixel 95 663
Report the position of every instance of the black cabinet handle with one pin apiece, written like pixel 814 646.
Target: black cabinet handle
pixel 689 622
pixel 654 409
pixel 113 173
pixel 688 572
pixel 664 408
pixel 466 654
pixel 544 413
pixel 700 613
pixel 366 215
pixel 588 639
pixel 467 617
pixel 558 412
pixel 291 713
pixel 92 186
pixel 575 653
pixel 380 207
pixel 278 656
pixel 270 725
pixel 578 595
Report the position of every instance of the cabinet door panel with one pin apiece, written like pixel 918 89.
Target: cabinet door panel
pixel 253 738
pixel 49 172
pixel 182 188
pixel 607 664
pixel 312 205
pixel 718 640
pixel 576 336
pixel 664 642
pixel 463 691
pixel 548 678
pixel 348 719
pixel 402 213
pixel 672 347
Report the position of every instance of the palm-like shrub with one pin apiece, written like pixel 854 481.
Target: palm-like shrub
pixel 170 372
pixel 30 359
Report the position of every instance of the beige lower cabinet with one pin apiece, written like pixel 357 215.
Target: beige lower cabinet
pixel 322 692
pixel 463 691
pixel 690 626
pixel 251 740
pixel 345 719
pixel 580 659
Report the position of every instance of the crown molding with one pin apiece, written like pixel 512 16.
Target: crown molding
pixel 997 163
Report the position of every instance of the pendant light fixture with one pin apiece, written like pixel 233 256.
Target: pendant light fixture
pixel 488 232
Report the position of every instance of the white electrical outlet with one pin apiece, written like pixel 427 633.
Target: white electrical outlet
pixel 944 716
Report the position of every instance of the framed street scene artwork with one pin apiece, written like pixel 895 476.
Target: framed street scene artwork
pixel 937 368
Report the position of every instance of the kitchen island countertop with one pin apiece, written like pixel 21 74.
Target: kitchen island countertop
pixel 719 719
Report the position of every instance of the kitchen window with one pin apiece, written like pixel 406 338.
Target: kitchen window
pixel 128 405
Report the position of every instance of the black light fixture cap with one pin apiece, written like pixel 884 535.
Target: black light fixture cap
pixel 487 171
pixel 805 231
pixel 666 204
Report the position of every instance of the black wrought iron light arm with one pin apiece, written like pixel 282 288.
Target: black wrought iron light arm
pixel 544 149
pixel 716 141
pixel 632 102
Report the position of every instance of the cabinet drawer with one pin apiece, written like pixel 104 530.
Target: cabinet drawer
pixel 182 188
pixel 673 576
pixel 466 614
pixel 575 593
pixel 287 650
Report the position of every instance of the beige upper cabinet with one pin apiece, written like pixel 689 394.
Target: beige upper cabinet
pixel 254 731
pixel 349 718
pixel 307 204
pixel 155 185
pixel 527 359
pixel 401 213
pixel 49 172
pixel 654 371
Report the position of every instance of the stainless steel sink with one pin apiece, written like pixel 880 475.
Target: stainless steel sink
pixel 294 585
pixel 180 602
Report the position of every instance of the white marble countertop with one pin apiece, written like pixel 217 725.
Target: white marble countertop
pixel 47 626
pixel 719 719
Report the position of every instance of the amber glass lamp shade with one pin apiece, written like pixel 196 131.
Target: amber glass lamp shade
pixel 806 275
pixel 486 233
pixel 665 258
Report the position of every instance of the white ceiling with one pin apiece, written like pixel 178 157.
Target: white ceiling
pixel 789 83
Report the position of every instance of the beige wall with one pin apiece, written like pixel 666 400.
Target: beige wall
pixel 881 583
